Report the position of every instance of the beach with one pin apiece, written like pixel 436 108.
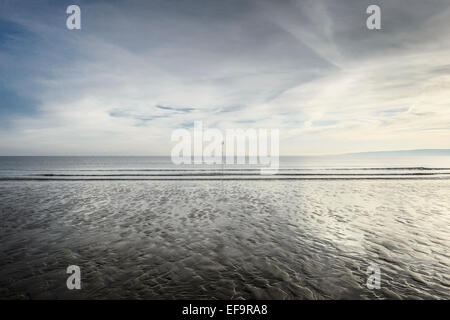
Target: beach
pixel 225 239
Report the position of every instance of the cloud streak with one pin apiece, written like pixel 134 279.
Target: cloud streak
pixel 136 71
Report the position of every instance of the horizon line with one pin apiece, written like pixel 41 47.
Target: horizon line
pixel 299 155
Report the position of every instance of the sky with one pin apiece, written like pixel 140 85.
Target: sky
pixel 137 70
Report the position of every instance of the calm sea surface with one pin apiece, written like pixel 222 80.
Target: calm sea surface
pixel 141 227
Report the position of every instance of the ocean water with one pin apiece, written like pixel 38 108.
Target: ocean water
pixel 141 227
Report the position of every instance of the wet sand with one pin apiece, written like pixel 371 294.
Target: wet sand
pixel 225 239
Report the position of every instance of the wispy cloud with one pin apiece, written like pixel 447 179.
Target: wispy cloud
pixel 136 71
pixel 176 109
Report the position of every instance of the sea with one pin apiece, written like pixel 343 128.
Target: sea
pixel 362 226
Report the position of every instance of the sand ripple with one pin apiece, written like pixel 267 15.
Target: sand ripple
pixel 225 239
